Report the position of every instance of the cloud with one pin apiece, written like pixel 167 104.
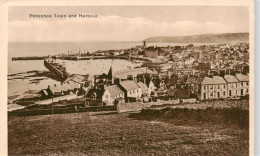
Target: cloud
pixel 109 28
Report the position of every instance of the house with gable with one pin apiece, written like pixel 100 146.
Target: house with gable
pixel 243 84
pixel 113 95
pixel 213 87
pixel 144 89
pixel 131 89
pixel 232 86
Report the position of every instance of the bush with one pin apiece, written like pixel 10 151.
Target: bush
pixel 231 115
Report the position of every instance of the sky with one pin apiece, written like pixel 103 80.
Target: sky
pixel 123 23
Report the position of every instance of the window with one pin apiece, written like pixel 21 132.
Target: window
pixel 224 86
pixel 224 93
pixel 133 92
pixel 106 96
pixel 218 86
pixel 242 84
pixel 246 90
pixel 211 94
pixel 211 87
pixel 205 88
pixel 247 83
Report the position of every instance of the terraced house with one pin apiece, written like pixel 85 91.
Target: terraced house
pixel 243 84
pixel 232 86
pixel 214 87
pixel 228 86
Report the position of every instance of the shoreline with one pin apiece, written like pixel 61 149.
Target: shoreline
pixel 78 58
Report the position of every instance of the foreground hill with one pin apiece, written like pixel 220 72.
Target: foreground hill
pixel 206 38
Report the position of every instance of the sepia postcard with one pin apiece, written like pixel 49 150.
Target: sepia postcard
pixel 127 78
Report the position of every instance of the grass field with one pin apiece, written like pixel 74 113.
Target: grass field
pixel 121 134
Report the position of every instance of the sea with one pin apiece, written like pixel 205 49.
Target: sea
pixel 18 85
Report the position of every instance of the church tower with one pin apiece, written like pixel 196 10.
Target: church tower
pixel 110 75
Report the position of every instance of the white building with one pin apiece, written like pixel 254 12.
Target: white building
pixel 131 89
pixel 112 95
pixel 213 88
pixel 232 86
pixel 243 84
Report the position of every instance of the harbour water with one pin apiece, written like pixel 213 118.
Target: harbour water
pixel 19 84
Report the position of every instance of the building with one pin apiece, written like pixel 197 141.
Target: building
pixel 151 54
pixel 204 66
pixel 131 89
pixel 130 74
pixel 193 83
pixel 243 67
pixel 232 86
pixel 144 89
pixel 148 80
pixel 113 95
pixel 83 80
pixel 243 84
pixel 60 90
pixel 214 87
pixel 160 67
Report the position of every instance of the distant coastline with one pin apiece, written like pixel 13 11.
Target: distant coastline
pixel 204 38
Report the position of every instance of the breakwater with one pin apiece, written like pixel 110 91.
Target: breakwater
pixel 75 58
pixel 29 58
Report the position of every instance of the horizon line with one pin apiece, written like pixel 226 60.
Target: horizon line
pixel 129 40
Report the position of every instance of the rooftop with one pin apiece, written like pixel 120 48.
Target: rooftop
pixel 142 85
pixel 64 87
pixel 134 72
pixel 213 80
pixel 242 77
pixel 230 78
pixel 129 85
pixel 114 90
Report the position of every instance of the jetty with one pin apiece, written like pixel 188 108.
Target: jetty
pixel 29 58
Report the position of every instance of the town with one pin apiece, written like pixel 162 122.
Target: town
pixel 184 73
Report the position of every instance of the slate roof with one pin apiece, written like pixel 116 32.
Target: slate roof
pixel 134 72
pixel 114 90
pixel 242 77
pixel 193 79
pixel 213 80
pixel 76 78
pixel 64 87
pixel 129 85
pixel 230 78
pixel 143 86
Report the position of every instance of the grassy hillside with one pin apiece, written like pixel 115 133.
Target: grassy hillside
pixel 206 38
pixel 118 134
